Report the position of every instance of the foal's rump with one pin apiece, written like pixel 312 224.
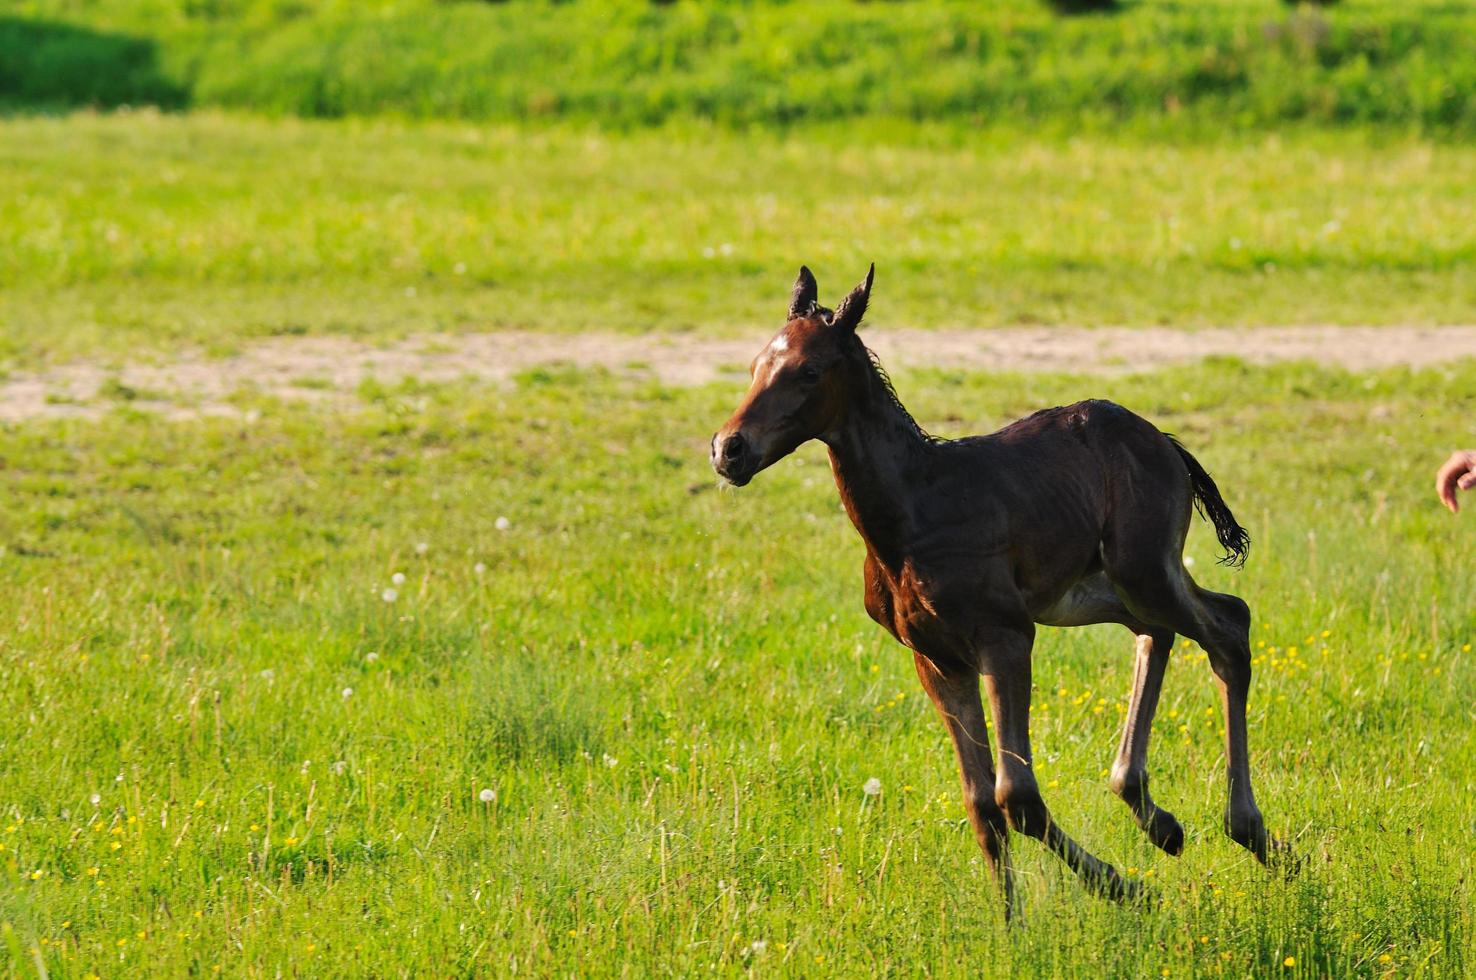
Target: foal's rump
pixel 1152 483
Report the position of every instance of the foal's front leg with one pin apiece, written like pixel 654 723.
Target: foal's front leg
pixel 955 693
pixel 1005 662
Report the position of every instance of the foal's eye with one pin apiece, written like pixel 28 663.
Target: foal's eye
pixel 810 373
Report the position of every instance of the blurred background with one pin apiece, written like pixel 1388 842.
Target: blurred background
pixel 637 166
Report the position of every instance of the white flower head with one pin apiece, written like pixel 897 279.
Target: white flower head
pixel 398 578
pixel 610 761
pixel 422 547
pixel 502 523
pixel 872 787
pixel 371 656
pixel 339 767
pixel 389 595
pixel 95 799
pixel 479 567
pixel 348 692
pixel 487 795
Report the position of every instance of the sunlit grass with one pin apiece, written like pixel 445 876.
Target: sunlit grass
pixel 632 724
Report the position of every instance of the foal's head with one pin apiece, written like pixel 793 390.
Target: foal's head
pixel 802 382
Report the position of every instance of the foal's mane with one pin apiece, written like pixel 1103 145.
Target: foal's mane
pixel 891 392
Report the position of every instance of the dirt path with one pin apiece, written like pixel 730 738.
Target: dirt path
pixel 329 368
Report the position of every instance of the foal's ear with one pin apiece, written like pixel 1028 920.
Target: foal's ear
pixel 806 295
pixel 851 309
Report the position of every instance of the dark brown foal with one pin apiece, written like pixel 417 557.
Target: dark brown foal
pixel 1073 516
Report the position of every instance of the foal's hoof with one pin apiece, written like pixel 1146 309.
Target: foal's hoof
pixel 1164 831
pixel 1275 854
pixel 1111 885
pixel 1278 856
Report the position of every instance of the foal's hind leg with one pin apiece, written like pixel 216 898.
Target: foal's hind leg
pixel 1130 769
pixel 1093 600
pixel 1228 644
pixel 1162 591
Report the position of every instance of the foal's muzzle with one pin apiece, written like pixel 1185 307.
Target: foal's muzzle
pixel 733 458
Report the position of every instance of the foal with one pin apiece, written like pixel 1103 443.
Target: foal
pixel 1069 517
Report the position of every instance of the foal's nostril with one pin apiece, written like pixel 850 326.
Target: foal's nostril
pixel 733 447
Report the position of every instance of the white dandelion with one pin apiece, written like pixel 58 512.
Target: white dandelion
pixel 502 523
pixel 479 567
pixel 610 761
pixel 487 795
pixel 872 787
pixel 422 547
pixel 398 578
pixel 95 799
pixel 389 595
pixel 371 656
pixel 348 692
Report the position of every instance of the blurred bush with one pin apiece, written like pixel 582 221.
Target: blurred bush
pixel 632 62
pixel 57 65
pixel 1081 6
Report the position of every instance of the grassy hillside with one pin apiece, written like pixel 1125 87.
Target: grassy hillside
pixel 1156 63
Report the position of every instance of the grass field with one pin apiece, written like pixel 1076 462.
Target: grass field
pixel 144 233
pixel 228 746
pixel 477 679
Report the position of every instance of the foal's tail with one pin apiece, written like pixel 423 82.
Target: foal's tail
pixel 1212 507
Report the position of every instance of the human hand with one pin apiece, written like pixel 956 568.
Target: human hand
pixel 1458 471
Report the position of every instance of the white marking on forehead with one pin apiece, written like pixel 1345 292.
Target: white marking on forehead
pixel 780 344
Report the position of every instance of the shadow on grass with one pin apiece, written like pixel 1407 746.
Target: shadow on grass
pixel 49 65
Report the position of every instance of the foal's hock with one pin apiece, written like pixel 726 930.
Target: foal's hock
pixel 1069 517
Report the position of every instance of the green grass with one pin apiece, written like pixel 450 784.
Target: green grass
pixel 1249 64
pixel 144 233
pixel 676 697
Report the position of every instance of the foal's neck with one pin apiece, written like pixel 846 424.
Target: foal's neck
pixel 878 454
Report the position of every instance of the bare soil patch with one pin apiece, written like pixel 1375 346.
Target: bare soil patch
pixel 330 368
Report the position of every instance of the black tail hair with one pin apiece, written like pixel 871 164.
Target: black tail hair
pixel 1212 507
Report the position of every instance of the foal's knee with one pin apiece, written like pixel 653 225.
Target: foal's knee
pixel 986 811
pixel 1023 808
pixel 1131 785
pixel 1237 616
